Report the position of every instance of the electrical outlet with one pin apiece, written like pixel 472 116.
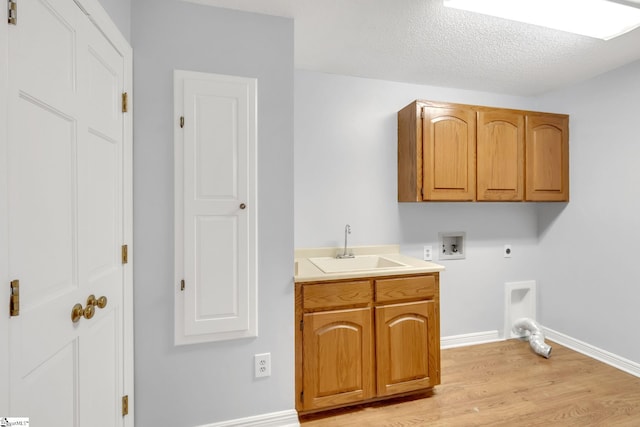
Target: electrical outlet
pixel 427 253
pixel 262 365
pixel 507 251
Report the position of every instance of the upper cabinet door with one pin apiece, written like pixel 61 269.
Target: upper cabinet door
pixel 500 150
pixel 215 207
pixel 547 163
pixel 449 153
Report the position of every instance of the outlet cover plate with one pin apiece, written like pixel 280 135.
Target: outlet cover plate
pixel 262 364
pixel 427 253
pixel 507 251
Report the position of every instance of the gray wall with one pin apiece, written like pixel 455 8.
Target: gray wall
pixel 582 253
pixel 120 13
pixel 345 172
pixel 591 280
pixel 204 383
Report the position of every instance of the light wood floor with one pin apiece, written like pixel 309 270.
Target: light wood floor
pixel 506 384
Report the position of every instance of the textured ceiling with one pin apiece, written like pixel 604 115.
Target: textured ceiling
pixel 421 41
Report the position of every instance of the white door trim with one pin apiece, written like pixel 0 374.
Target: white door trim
pixel 101 19
pixel 4 211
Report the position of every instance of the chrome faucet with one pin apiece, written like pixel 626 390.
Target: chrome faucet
pixel 345 254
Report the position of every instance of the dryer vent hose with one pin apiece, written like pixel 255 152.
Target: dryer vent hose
pixel 536 336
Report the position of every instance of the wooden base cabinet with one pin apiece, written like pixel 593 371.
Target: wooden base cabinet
pixel 366 340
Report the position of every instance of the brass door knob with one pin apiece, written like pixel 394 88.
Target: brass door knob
pixel 77 312
pixel 102 302
pixel 89 311
pixel 99 302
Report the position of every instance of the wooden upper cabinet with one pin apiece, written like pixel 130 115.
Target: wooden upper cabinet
pixel 458 152
pixel 449 153
pixel 500 151
pixel 436 152
pixel 410 153
pixel 547 157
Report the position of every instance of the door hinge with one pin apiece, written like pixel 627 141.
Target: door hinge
pixel 181 121
pixel 302 325
pixel 422 113
pixel 125 102
pixel 13 12
pixel 125 254
pixel 14 301
pixel 182 285
pixel 302 396
pixel 125 405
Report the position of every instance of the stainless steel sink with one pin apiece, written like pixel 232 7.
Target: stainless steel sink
pixel 358 263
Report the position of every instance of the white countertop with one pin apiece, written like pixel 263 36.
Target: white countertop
pixel 307 271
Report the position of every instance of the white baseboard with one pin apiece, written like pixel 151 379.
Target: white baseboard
pixel 274 419
pixel 454 341
pixel 603 356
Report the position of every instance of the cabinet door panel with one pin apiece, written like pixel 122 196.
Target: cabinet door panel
pixel 547 158
pixel 449 153
pixel 407 349
pixel 338 358
pixel 500 150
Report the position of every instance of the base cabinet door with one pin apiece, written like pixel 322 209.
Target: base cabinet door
pixel 338 358
pixel 407 350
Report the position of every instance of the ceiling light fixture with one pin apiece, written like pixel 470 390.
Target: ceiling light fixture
pixel 593 18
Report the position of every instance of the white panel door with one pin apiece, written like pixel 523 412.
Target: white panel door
pixel 65 205
pixel 215 207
